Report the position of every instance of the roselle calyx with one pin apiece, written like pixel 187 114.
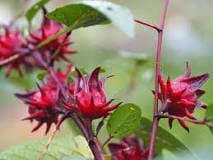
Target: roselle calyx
pixel 42 106
pixel 180 97
pixel 11 44
pixel 58 46
pixel 89 98
pixel 130 148
pixel 46 103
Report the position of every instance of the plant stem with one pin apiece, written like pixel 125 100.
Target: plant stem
pixel 93 142
pixel 51 137
pixel 148 24
pixel 80 124
pixel 157 73
pixel 195 121
pixel 96 149
pixel 10 59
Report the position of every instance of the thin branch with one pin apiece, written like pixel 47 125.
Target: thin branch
pixel 89 135
pixel 202 122
pixel 51 72
pixel 10 59
pixel 51 137
pixel 107 140
pixel 80 124
pixel 99 126
pixel 157 73
pixel 195 121
pixel 61 45
pixel 148 24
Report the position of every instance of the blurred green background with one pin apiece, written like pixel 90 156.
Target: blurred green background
pixel 188 36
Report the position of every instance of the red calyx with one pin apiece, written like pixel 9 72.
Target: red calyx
pixel 180 97
pixel 89 95
pixel 44 104
pixel 49 28
pixel 130 148
pixel 62 77
pixel 11 43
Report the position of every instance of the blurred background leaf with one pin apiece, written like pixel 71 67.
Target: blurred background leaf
pixel 34 9
pixel 60 147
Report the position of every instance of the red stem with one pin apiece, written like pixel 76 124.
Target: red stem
pixel 195 121
pixel 96 149
pixel 80 124
pixel 148 24
pixel 157 73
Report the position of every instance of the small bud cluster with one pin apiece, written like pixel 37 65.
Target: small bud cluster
pixel 44 103
pixel 25 50
pixel 86 97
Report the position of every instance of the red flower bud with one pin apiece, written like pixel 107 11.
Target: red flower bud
pixel 90 98
pixel 48 29
pixel 42 106
pixel 180 96
pixel 62 77
pixel 130 148
pixel 11 43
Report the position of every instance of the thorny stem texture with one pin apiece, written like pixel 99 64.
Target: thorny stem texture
pixel 157 73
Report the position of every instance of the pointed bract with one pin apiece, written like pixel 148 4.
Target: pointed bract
pixel 60 44
pixel 12 44
pixel 181 95
pixel 90 99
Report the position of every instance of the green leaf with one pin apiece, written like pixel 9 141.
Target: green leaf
pixel 94 12
pixel 34 9
pixel 209 117
pixel 60 147
pixel 41 75
pixel 204 152
pixel 164 139
pixel 124 120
